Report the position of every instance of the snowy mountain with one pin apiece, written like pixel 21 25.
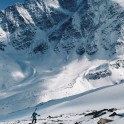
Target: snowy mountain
pixel 77 26
pixel 56 49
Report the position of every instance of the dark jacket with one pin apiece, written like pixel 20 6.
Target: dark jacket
pixel 34 115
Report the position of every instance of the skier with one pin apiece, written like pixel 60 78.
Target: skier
pixel 34 120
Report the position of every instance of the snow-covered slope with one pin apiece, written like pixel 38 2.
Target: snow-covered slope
pixel 77 108
pixel 29 83
pixel 53 49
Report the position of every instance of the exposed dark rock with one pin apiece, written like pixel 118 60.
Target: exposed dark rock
pixel 41 48
pixel 60 24
pixel 2 46
pixel 54 116
pixel 80 50
pixel 76 123
pixel 91 49
pixel 24 42
pixel 115 114
pixel 118 64
pixel 98 75
pixel 112 110
pixel 96 114
pixel 67 4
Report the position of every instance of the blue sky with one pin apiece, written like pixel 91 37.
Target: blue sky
pixel 5 3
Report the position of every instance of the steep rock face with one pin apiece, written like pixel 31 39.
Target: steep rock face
pixel 45 15
pixel 98 23
pixel 75 26
pixel 23 22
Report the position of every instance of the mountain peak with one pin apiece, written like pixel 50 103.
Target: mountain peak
pixel 86 22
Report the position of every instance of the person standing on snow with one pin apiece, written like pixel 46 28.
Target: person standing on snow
pixel 34 120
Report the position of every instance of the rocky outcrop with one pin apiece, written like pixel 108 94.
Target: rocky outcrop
pixel 2 46
pixel 99 74
pixel 104 121
pixel 118 64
